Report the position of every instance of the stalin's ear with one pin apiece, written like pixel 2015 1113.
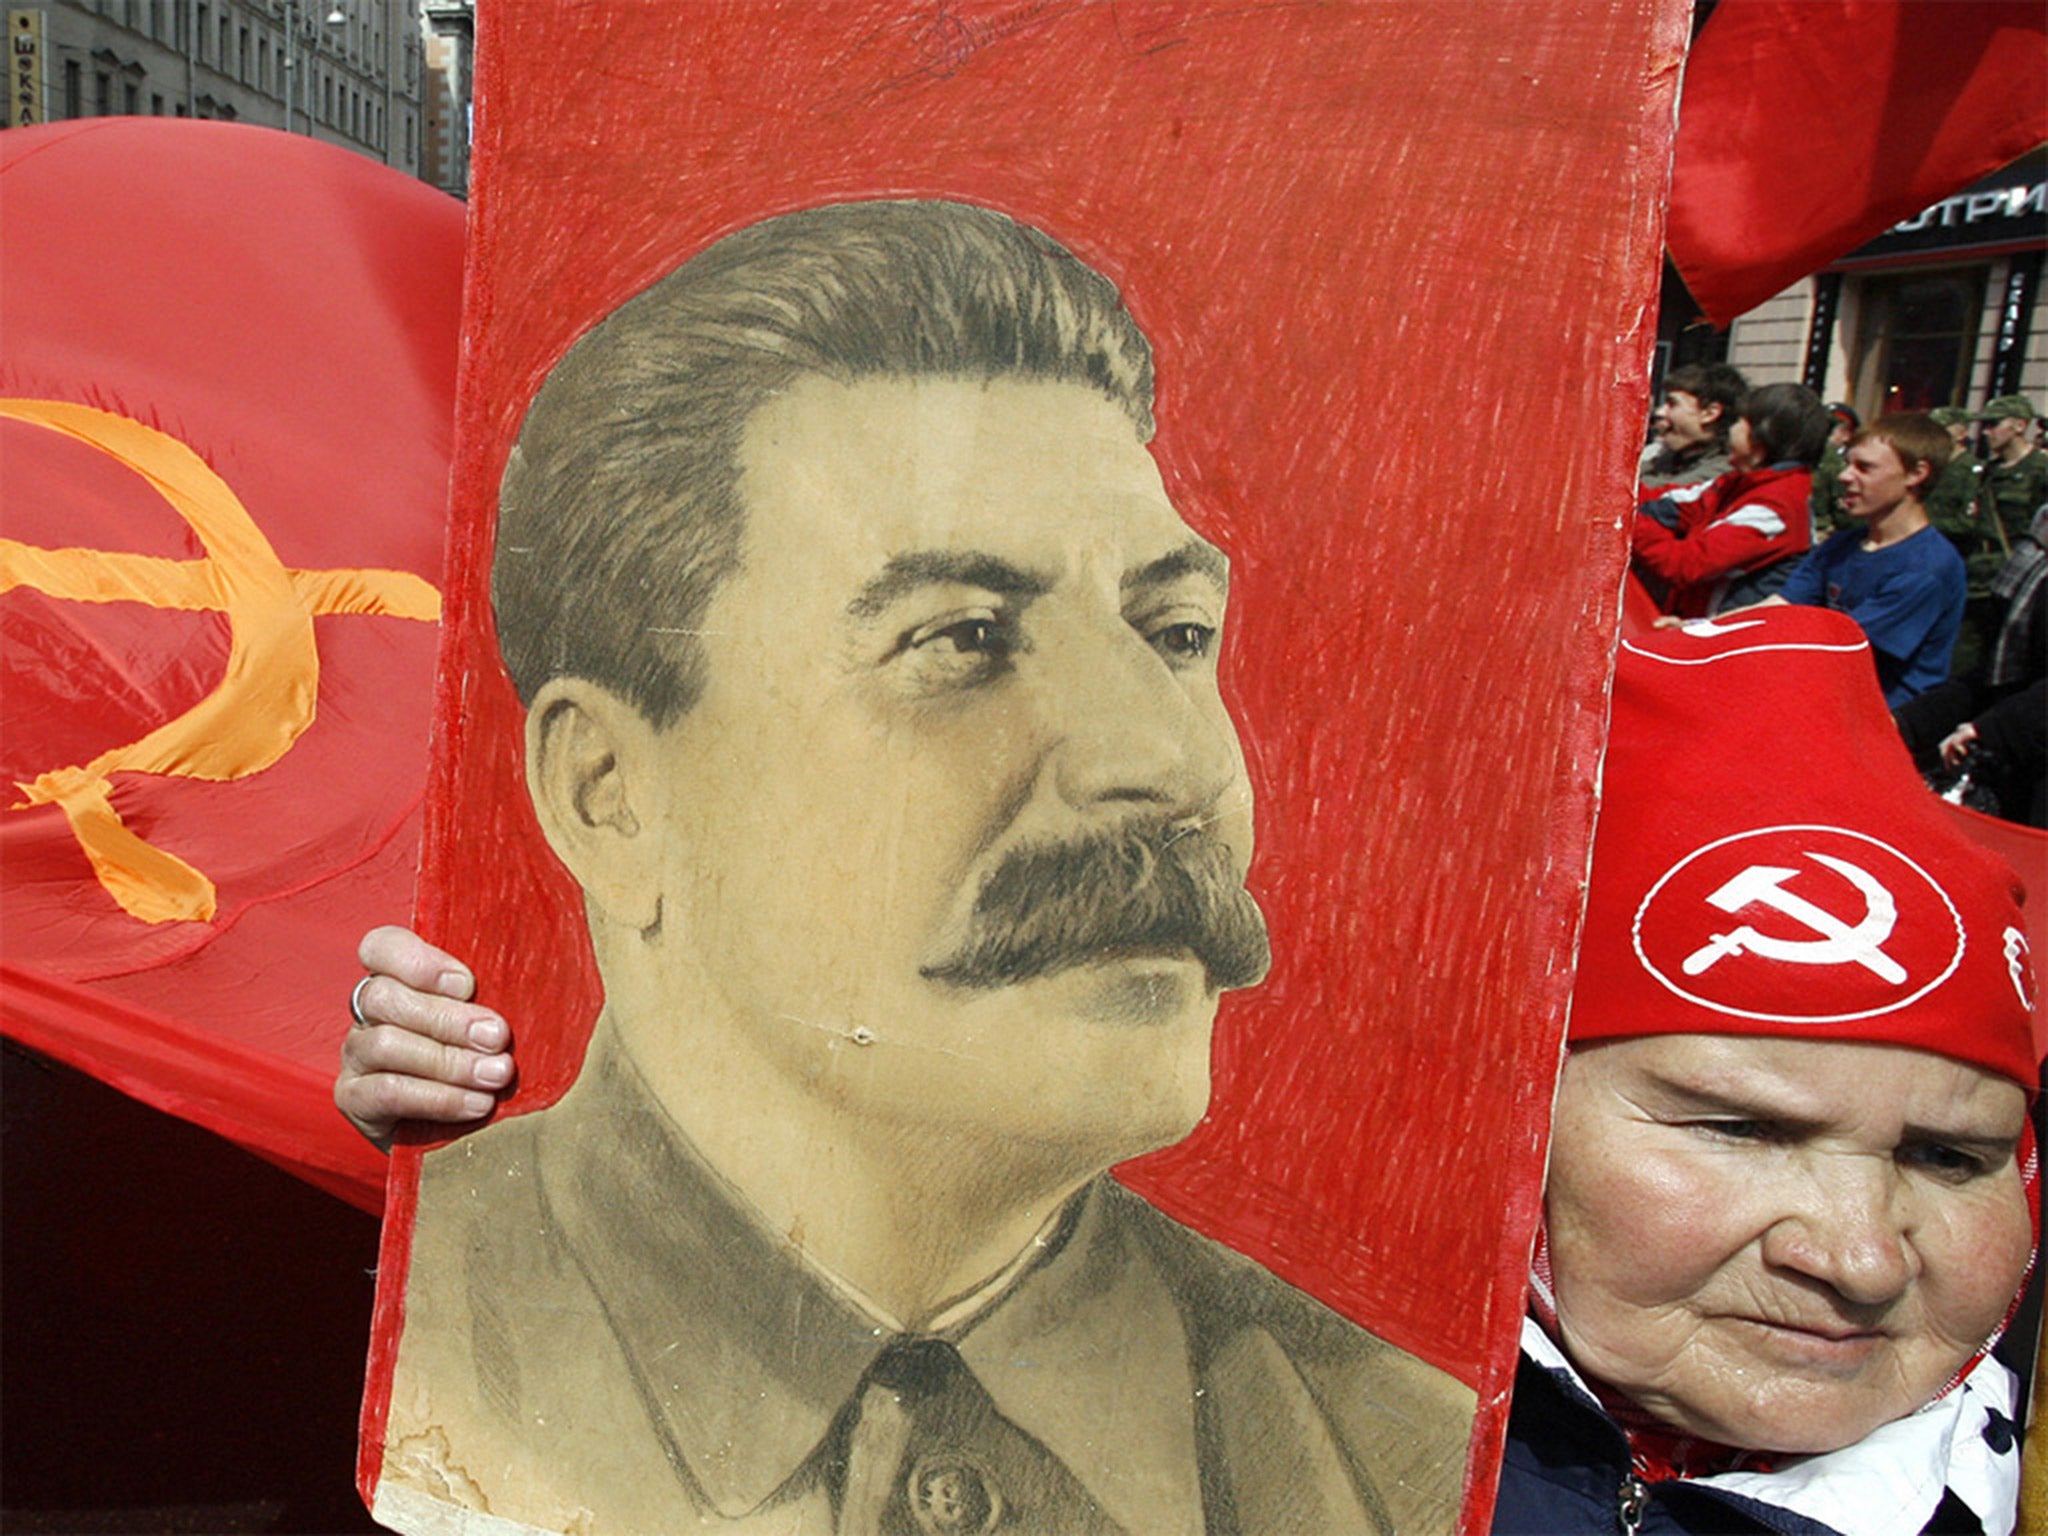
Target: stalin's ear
pixel 587 751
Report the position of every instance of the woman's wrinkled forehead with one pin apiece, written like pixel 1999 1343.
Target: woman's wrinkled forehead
pixel 1890 1092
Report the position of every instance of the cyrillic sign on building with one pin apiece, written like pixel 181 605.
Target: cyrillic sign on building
pixel 25 103
pixel 2008 207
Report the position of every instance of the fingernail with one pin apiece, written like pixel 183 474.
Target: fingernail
pixel 488 1034
pixel 494 1071
pixel 477 1105
pixel 454 983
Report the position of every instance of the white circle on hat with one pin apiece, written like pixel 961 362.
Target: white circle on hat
pixel 1802 886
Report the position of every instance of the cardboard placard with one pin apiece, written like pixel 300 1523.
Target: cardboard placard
pixel 1393 265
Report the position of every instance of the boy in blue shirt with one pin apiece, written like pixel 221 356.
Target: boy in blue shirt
pixel 1891 571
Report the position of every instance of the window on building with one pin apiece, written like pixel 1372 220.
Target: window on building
pixel 131 97
pixel 199 37
pixel 102 93
pixel 156 105
pixel 327 101
pixel 242 55
pixel 1916 337
pixel 220 52
pixel 74 89
pixel 156 19
pixel 263 80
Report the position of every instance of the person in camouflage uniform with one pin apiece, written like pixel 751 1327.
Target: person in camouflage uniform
pixel 1826 505
pixel 2016 474
pixel 2011 483
pixel 1954 504
pixel 1959 507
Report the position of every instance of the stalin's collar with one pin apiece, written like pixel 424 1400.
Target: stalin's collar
pixel 745 1354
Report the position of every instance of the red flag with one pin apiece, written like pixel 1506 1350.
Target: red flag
pixel 225 416
pixel 1810 126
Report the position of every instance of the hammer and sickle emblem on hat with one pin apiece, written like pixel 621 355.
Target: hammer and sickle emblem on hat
pixel 1836 943
pixel 2018 966
pixel 265 699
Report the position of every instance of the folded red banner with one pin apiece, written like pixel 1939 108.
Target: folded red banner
pixel 225 418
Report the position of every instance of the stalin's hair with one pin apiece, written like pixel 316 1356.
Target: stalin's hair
pixel 620 511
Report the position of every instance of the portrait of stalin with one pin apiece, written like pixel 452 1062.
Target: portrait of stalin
pixel 872 698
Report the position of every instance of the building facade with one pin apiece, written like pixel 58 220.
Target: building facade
pixel 1941 309
pixel 449 31
pixel 348 72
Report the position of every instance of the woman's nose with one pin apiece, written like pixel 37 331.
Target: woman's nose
pixel 1849 1229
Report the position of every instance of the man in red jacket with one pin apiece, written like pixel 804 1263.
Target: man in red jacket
pixel 1733 541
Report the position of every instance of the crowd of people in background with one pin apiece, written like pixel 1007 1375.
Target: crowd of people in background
pixel 1938 551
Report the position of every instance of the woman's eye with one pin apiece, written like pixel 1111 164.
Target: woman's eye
pixel 1943 1160
pixel 1186 640
pixel 1740 1130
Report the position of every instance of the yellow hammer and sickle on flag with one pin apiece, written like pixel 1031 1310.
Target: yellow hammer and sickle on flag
pixel 264 700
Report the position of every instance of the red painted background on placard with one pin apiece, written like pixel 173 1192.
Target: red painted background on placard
pixel 1397 260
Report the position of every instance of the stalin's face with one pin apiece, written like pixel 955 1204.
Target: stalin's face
pixel 957 832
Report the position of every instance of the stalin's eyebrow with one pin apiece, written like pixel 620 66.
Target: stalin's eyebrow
pixel 944 567
pixel 1194 558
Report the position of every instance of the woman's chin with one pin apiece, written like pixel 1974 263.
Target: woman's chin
pixel 1796 1415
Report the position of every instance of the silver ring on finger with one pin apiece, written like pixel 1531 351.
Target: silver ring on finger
pixel 355 1003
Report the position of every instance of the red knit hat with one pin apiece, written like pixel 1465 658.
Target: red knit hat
pixel 1768 861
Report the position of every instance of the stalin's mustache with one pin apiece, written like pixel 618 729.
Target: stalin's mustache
pixel 1143 886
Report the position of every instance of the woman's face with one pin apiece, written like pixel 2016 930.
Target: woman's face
pixel 1781 1244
